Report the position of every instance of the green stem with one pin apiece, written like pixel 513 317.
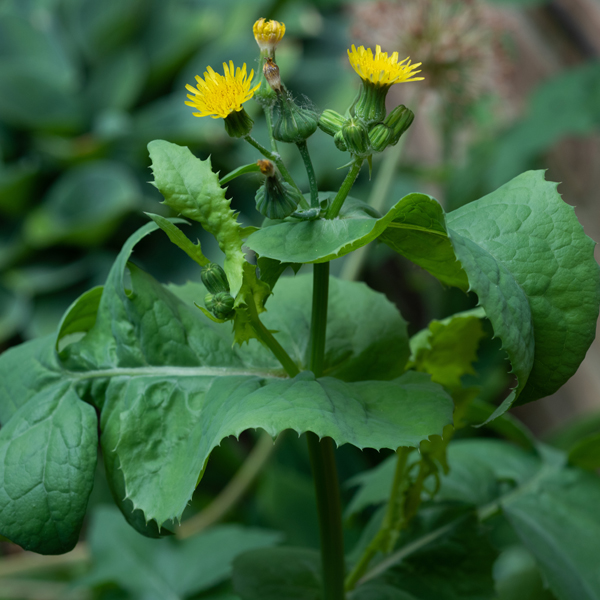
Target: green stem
pixel 322 456
pixel 338 201
pixel 275 158
pixel 389 526
pixel 265 336
pixel 322 460
pixel 381 188
pixel 269 118
pixel 318 324
pixel 312 178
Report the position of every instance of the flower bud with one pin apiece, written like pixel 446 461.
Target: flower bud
pixel 268 34
pixel 294 124
pixel 380 137
pixel 238 124
pixel 338 140
pixel 399 120
pixel 276 199
pixel 331 122
pixel 220 304
pixel 356 137
pixel 214 278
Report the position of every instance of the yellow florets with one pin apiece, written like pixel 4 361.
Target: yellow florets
pixel 382 69
pixel 268 33
pixel 217 95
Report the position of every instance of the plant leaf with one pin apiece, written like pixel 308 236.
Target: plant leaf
pixel 276 573
pixel 47 462
pixel 168 568
pixel 192 189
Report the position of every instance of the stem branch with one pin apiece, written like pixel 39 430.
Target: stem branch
pixel 312 178
pixel 338 201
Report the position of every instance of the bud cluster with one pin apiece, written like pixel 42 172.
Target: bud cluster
pixel 362 137
pixel 218 300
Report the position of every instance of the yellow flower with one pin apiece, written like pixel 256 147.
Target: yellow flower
pixel 268 33
pixel 217 96
pixel 382 69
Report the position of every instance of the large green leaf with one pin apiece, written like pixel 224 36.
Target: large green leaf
pixel 170 385
pixel 532 267
pixel 167 569
pixel 47 463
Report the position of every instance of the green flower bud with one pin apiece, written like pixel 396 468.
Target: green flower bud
pixel 369 105
pixel 399 120
pixel 238 124
pixel 214 278
pixel 338 140
pixel 220 304
pixel 276 199
pixel 356 137
pixel 294 124
pixel 380 137
pixel 331 122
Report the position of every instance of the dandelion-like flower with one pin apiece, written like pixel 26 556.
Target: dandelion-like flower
pixel 268 34
pixel 378 73
pixel 218 96
pixel 380 68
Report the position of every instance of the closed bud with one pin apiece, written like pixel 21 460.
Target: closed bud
pixel 399 120
pixel 331 122
pixel 294 124
pixel 276 199
pixel 214 278
pixel 356 137
pixel 380 137
pixel 338 140
pixel 220 304
pixel 238 124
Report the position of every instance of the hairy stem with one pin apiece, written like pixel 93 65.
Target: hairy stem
pixel 338 201
pixel 274 157
pixel 312 178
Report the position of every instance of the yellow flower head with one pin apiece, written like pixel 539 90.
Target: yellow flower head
pixel 382 69
pixel 217 95
pixel 268 33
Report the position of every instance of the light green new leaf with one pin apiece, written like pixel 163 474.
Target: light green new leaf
pixel 447 349
pixel 192 189
pixel 47 462
pixel 166 569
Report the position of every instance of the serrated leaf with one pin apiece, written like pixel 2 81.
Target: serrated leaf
pixel 192 189
pixel 194 251
pixel 532 267
pixel 47 463
pixel 170 386
pixel 169 568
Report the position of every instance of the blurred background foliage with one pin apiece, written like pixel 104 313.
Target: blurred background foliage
pixel 85 85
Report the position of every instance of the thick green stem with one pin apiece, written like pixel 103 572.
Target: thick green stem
pixel 322 460
pixel 318 325
pixel 265 336
pixel 322 456
pixel 387 534
pixel 312 178
pixel 338 201
pixel 272 156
